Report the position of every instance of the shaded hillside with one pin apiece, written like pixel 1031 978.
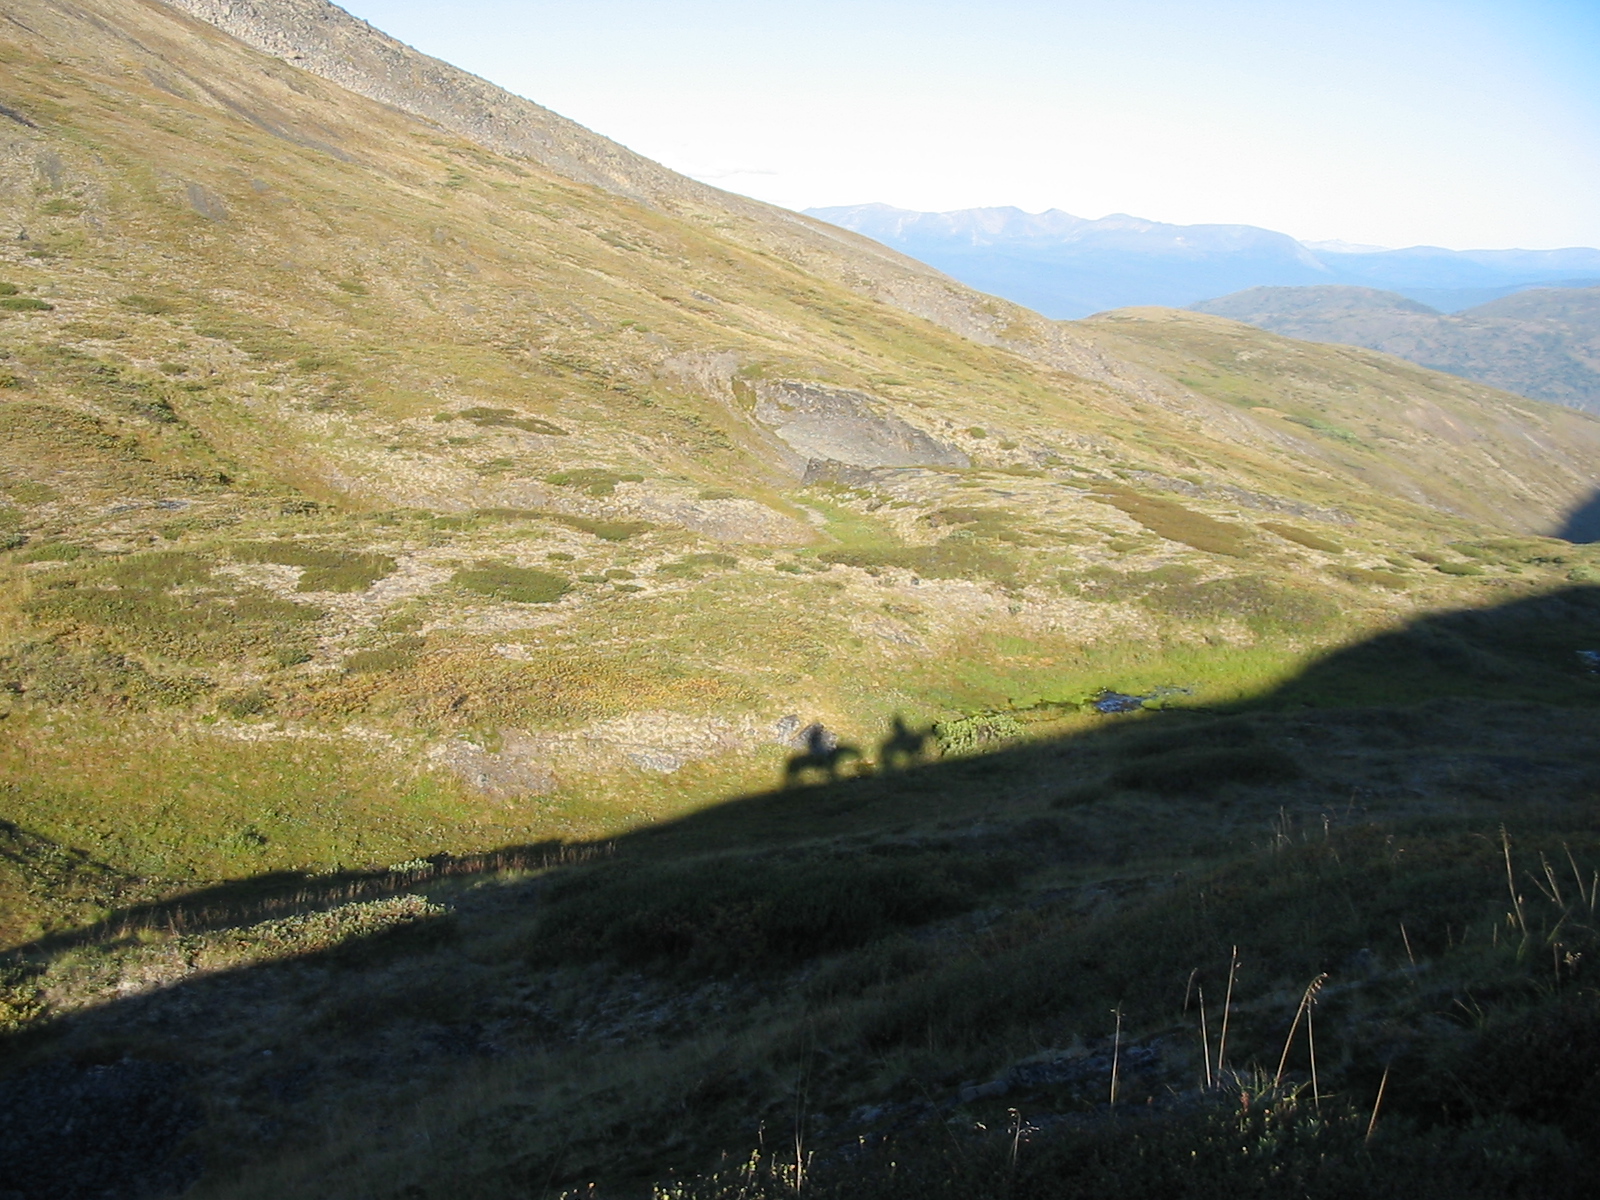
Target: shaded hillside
pixel 1006 971
pixel 1543 343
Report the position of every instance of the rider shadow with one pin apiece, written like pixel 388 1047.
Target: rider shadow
pixel 905 747
pixel 823 755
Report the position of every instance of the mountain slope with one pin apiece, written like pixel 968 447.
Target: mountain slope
pixel 1543 343
pixel 534 492
pixel 511 687
pixel 1066 267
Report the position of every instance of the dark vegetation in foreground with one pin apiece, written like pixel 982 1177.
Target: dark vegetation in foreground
pixel 1340 941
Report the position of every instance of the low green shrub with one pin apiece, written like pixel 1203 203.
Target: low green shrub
pixel 606 531
pixel 522 585
pixel 248 702
pixel 976 734
pixel 53 552
pixel 994 523
pixel 1171 520
pixel 1326 428
pixel 694 566
pixel 597 481
pixel 153 306
pixel 321 570
pixel 8 289
pixel 159 571
pixel 25 304
pixel 64 674
pixel 261 607
pixel 1301 537
pixel 490 418
pixel 960 556
pixel 365 662
pixel 1458 568
pixel 1364 577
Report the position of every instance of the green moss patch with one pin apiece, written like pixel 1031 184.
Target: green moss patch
pixel 322 570
pixel 1171 520
pixel 594 480
pixel 1300 537
pixel 364 662
pixel 522 585
pixel 960 556
pixel 491 418
pixel 152 306
pixel 1363 577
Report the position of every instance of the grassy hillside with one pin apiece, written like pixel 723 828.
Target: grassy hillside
pixel 948 966
pixel 408 551
pixel 1541 343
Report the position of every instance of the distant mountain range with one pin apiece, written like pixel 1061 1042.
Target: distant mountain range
pixel 1544 342
pixel 1067 267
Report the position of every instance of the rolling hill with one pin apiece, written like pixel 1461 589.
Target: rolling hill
pixel 520 670
pixel 1543 343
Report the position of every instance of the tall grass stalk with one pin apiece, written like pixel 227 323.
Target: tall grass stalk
pixel 1116 1053
pixel 1227 1010
pixel 1511 886
pixel 1307 999
pixel 1372 1123
pixel 1586 895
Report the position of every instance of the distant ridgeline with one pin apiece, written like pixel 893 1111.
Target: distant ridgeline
pixel 1068 267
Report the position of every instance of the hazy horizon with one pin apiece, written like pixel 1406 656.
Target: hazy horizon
pixel 1464 126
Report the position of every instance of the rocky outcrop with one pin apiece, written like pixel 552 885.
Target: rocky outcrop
pixel 829 428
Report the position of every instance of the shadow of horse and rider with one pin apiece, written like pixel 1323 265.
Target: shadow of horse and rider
pixel 822 757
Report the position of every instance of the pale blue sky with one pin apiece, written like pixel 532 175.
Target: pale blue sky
pixel 1463 124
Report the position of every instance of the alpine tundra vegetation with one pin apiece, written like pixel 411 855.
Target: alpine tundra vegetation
pixel 522 674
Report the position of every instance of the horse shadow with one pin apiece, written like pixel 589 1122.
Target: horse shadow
pixel 823 755
pixel 905 747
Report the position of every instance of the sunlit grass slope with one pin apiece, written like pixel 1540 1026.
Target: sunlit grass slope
pixel 368 494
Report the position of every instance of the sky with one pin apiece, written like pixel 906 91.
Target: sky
pixel 1459 123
